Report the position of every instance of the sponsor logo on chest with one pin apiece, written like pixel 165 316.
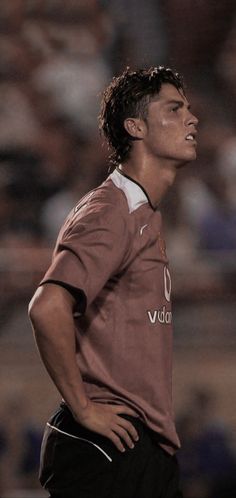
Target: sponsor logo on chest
pixel 162 315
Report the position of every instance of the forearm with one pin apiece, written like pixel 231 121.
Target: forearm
pixel 55 337
pixel 59 359
pixel 51 315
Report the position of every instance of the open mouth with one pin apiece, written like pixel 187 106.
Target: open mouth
pixel 191 137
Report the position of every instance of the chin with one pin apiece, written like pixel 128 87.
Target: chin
pixel 184 161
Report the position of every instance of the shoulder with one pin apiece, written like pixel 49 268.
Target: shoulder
pixel 104 208
pixel 103 203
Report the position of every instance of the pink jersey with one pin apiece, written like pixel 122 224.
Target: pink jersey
pixel 111 247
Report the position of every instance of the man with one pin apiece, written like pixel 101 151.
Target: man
pixel 102 314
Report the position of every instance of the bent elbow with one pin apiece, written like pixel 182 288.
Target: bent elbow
pixel 37 307
pixel 34 310
pixel 49 303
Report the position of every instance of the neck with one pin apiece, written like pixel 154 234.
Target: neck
pixel 155 178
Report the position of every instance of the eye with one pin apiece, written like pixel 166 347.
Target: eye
pixel 174 108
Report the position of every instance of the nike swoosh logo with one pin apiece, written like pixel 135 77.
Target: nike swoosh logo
pixel 142 229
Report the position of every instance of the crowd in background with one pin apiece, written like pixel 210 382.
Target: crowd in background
pixel 55 59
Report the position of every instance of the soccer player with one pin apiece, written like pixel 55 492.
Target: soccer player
pixel 102 313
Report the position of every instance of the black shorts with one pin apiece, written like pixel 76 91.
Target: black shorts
pixel 78 463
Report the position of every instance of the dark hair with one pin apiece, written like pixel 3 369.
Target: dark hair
pixel 128 96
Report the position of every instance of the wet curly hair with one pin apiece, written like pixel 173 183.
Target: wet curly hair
pixel 128 96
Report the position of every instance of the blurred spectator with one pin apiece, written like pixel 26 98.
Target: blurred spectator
pixel 150 48
pixel 20 445
pixel 58 206
pixel 217 230
pixel 208 453
pixel 73 85
pixel 226 162
pixel 194 40
pixel 18 124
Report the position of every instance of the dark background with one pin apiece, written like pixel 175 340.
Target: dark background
pixel 55 58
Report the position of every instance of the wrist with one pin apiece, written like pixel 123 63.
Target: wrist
pixel 79 409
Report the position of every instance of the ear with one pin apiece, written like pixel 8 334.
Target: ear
pixel 135 127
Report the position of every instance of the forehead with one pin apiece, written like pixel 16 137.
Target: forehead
pixel 169 93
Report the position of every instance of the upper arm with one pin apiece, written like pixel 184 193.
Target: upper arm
pixel 90 250
pixel 50 298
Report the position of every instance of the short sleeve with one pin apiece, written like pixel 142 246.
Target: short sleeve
pixel 91 248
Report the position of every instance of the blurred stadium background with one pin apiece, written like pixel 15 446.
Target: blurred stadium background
pixel 55 58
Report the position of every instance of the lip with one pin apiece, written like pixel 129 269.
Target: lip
pixel 194 134
pixel 191 142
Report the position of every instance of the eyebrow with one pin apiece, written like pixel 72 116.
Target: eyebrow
pixel 180 103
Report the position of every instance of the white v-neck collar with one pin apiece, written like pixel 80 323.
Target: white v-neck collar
pixel 134 193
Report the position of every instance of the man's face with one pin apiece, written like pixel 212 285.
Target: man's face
pixel 170 132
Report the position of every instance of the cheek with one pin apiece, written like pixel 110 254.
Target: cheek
pixel 170 128
pixel 167 132
pixel 166 123
pixel 167 127
pixel 170 121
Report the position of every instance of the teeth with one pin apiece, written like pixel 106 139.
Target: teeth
pixel 189 137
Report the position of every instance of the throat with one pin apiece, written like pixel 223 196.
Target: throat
pixel 159 184
pixel 154 179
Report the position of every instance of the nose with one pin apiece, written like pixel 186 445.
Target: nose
pixel 191 119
